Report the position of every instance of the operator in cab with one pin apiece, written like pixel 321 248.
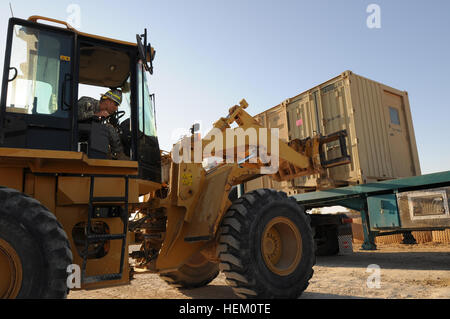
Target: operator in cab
pixel 90 108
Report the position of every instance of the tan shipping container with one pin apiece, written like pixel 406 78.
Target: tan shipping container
pixel 377 118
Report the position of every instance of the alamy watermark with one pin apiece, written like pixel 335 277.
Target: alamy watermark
pixel 374 19
pixel 374 279
pixel 74 15
pixel 74 277
pixel 238 145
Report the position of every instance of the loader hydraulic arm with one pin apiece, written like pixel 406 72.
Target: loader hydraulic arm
pixel 198 198
pixel 294 159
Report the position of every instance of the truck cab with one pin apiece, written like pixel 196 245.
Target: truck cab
pixel 48 68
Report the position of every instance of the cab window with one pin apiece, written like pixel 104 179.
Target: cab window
pixel 40 61
pixel 147 122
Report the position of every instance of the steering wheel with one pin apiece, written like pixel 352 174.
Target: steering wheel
pixel 114 118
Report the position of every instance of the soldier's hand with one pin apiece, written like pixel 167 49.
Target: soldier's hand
pixel 102 114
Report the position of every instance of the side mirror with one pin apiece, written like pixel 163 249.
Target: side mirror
pixel 146 52
pixel 151 53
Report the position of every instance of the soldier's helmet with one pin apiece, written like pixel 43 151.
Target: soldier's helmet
pixel 115 95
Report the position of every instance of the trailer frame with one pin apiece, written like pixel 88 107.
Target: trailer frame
pixel 360 197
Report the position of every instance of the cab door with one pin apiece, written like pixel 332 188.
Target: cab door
pixel 36 102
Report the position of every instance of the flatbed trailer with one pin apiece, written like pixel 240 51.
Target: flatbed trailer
pixel 392 206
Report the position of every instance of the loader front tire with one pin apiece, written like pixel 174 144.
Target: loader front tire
pixel 34 249
pixel 198 272
pixel 266 246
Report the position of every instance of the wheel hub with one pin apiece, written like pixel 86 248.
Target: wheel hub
pixel 10 271
pixel 272 245
pixel 281 246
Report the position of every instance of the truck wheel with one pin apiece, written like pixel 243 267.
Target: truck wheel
pixel 266 246
pixel 328 243
pixel 198 272
pixel 34 249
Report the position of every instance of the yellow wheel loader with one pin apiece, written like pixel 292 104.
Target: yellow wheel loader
pixel 72 217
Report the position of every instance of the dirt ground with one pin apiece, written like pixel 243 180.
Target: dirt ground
pixel 405 271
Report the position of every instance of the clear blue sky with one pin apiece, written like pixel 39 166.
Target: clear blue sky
pixel 211 54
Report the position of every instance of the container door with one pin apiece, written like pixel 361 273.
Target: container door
pixel 399 140
pixel 275 118
pixel 302 123
pixel 334 119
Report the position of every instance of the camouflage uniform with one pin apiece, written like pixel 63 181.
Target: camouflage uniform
pixel 87 108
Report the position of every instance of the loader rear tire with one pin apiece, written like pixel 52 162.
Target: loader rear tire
pixel 266 246
pixel 198 272
pixel 34 249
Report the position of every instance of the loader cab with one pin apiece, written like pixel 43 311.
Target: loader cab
pixel 49 68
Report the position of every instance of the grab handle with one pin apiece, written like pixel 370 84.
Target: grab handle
pixel 36 18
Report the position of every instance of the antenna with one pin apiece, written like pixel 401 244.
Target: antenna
pixel 10 8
